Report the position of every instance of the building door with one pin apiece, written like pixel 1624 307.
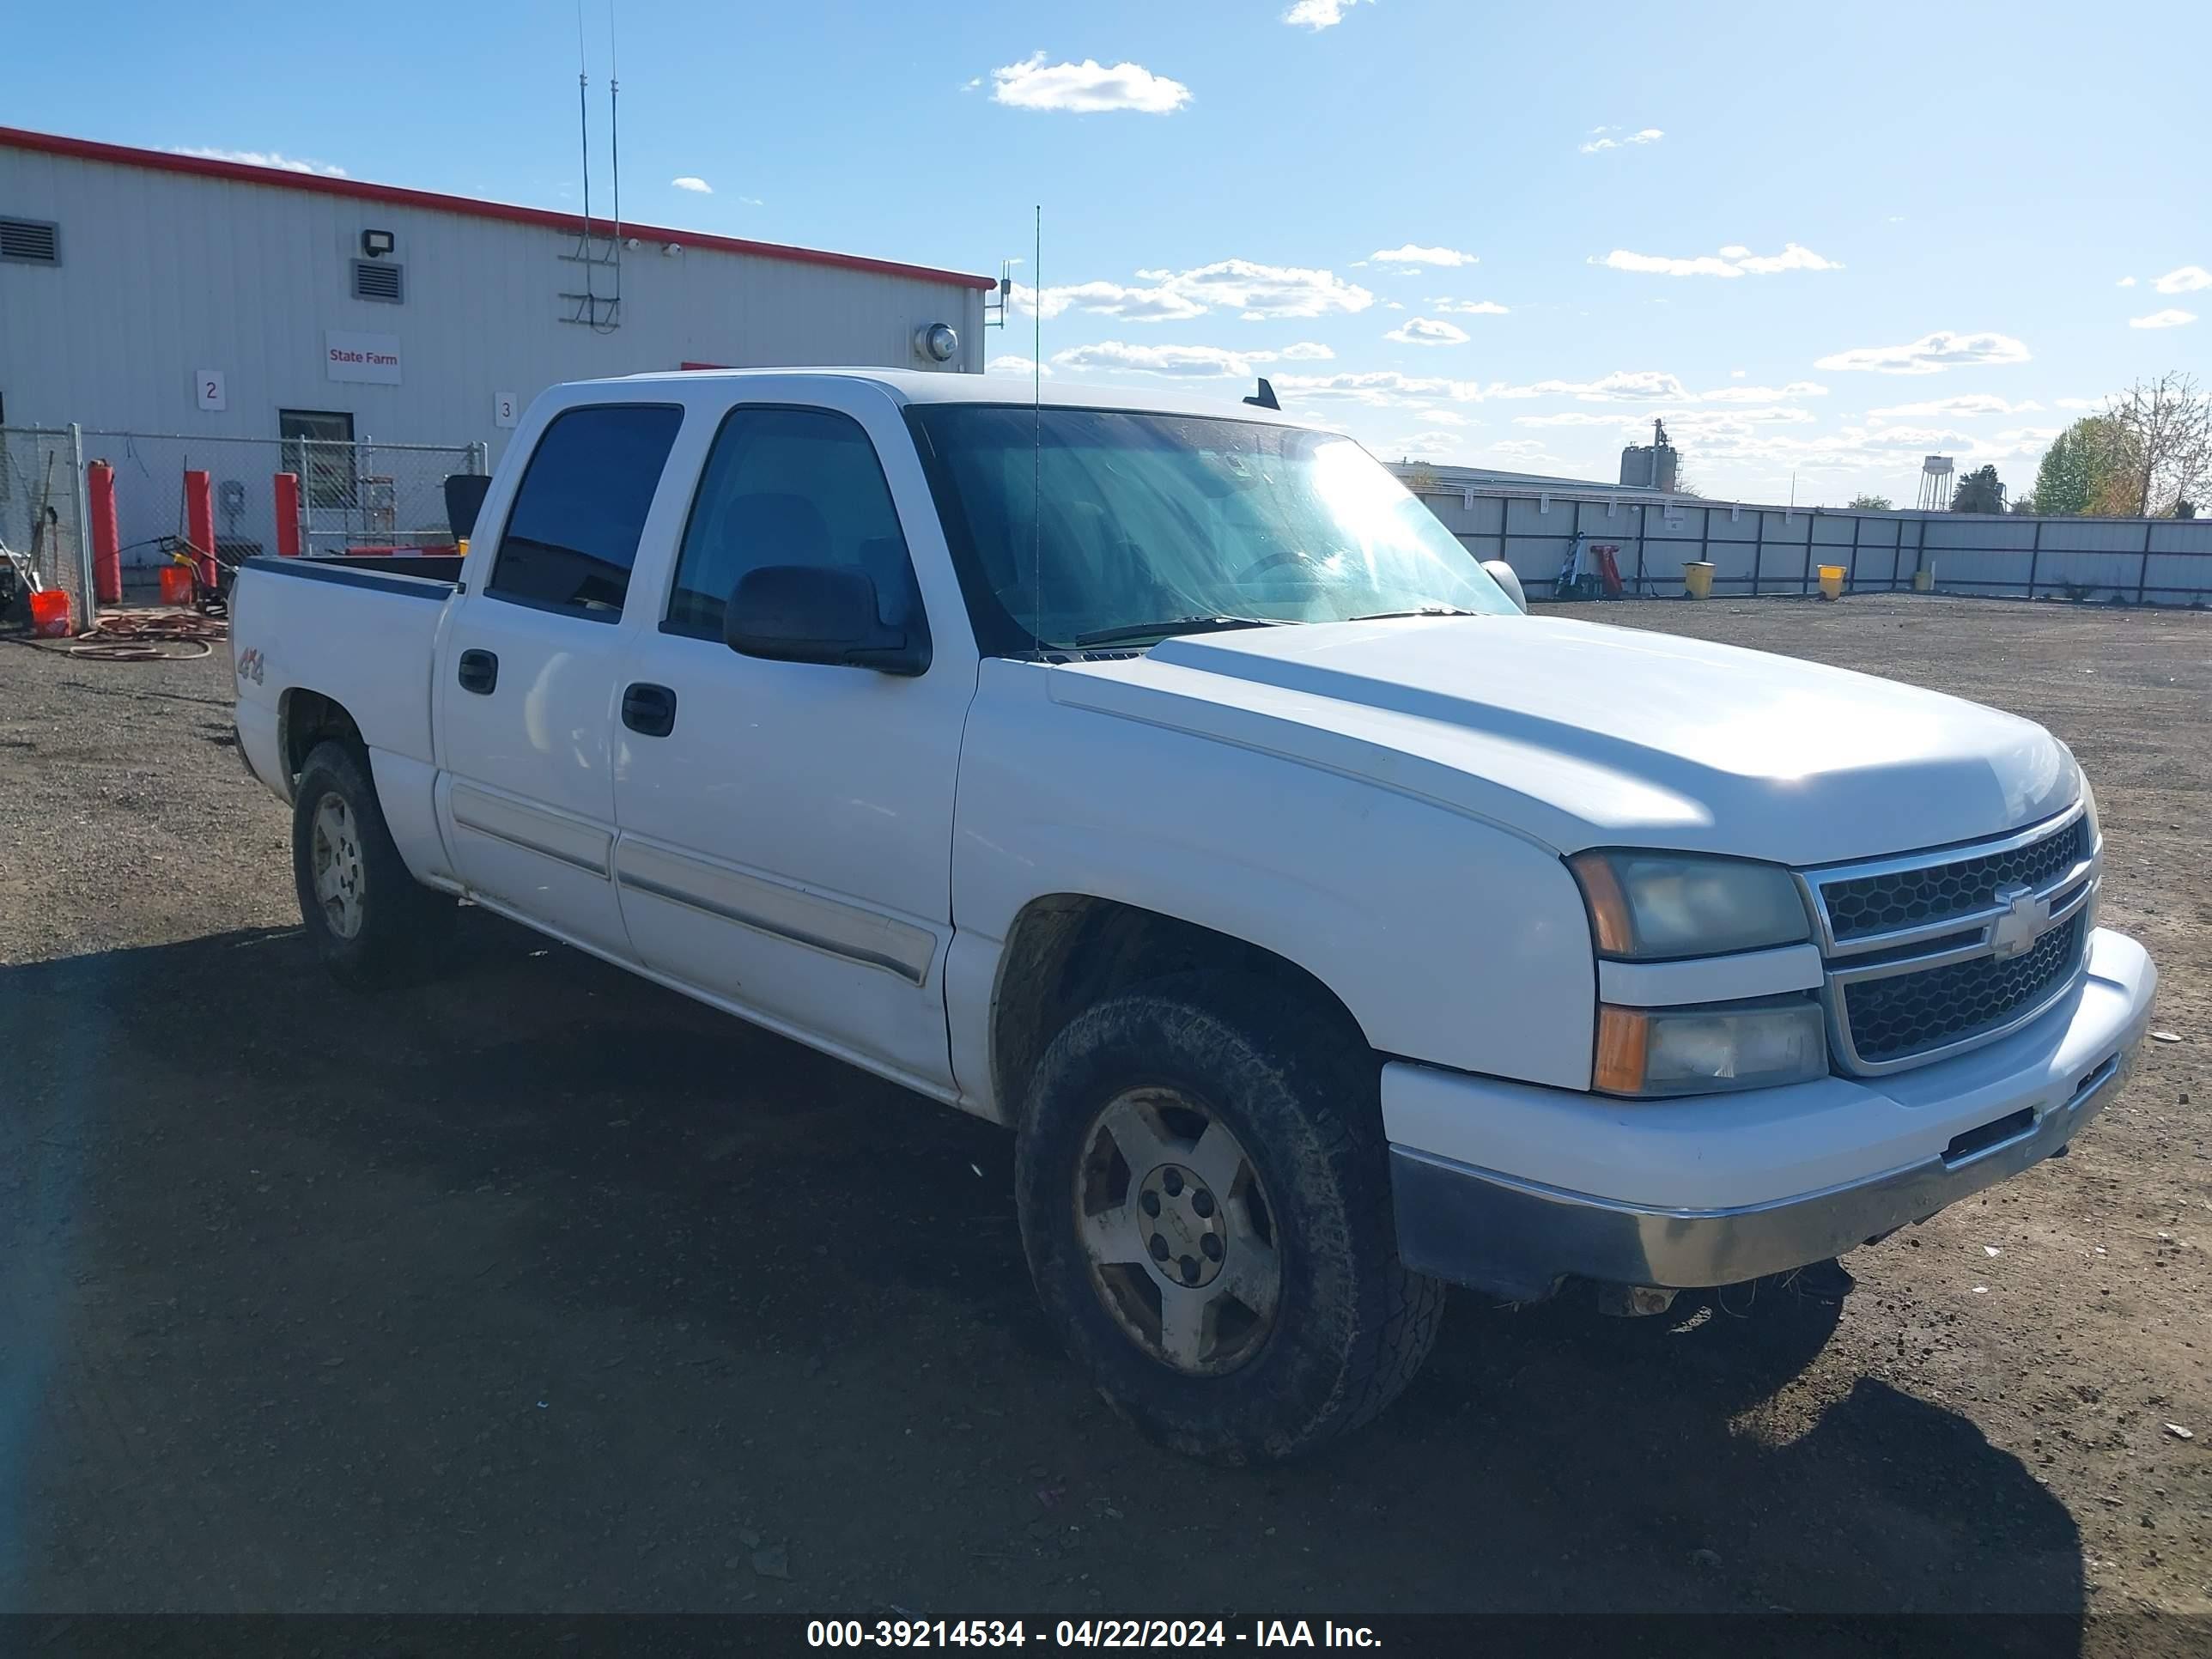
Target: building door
pixel 318 450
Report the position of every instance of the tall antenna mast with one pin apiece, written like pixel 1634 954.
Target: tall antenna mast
pixel 1036 412
pixel 584 114
pixel 614 125
pixel 584 132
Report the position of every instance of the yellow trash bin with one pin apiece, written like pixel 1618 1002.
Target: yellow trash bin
pixel 1698 578
pixel 1831 582
pixel 1923 581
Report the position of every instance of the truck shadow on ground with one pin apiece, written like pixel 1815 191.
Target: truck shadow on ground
pixel 539 1287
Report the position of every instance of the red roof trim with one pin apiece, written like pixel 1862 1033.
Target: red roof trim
pixel 86 150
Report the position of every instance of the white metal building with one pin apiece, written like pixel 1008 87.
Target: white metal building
pixel 142 291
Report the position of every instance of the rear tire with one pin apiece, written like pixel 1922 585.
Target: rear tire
pixel 1205 1200
pixel 371 922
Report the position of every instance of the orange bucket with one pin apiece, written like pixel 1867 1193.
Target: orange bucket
pixel 50 614
pixel 176 585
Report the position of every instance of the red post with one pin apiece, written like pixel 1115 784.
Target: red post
pixel 106 541
pixel 199 524
pixel 287 515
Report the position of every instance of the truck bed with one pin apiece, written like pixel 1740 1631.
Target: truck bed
pixel 362 633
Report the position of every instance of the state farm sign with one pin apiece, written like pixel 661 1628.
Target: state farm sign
pixel 361 357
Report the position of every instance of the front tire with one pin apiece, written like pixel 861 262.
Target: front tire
pixel 371 922
pixel 1205 1200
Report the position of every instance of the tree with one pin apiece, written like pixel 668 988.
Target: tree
pixel 2167 424
pixel 1872 503
pixel 2089 468
pixel 1979 491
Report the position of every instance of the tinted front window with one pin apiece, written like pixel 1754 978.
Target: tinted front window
pixel 1070 523
pixel 572 536
pixel 789 486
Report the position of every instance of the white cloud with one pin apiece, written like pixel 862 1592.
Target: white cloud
pixel 1427 331
pixel 1258 291
pixel 2125 281
pixel 1173 297
pixel 1426 445
pixel 1011 364
pixel 1086 88
pixel 1136 305
pixel 1686 423
pixel 1598 140
pixel 1762 394
pixel 1470 307
pixel 1522 449
pixel 1414 256
pixel 2185 279
pixel 1968 404
pixel 1928 354
pixel 691 182
pixel 259 158
pixel 2171 317
pixel 1318 15
pixel 1732 261
pixel 1623 386
pixel 1378 387
pixel 1180 361
pixel 1577 417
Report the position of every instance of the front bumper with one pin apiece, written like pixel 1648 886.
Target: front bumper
pixel 1512 1188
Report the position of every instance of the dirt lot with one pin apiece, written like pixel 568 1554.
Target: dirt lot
pixel 540 1288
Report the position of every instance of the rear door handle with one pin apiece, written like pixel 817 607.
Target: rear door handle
pixel 649 710
pixel 479 673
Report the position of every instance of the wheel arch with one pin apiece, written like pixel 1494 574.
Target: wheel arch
pixel 306 718
pixel 1066 951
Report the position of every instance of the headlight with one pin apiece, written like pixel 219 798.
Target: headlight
pixel 1724 1045
pixel 2089 807
pixel 1646 905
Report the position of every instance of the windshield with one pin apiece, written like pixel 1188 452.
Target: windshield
pixel 1173 520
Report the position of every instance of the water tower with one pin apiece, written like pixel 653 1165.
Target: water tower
pixel 1935 483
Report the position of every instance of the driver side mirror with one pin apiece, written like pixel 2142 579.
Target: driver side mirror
pixel 1507 578
pixel 820 614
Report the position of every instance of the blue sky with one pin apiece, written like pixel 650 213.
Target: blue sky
pixel 1814 242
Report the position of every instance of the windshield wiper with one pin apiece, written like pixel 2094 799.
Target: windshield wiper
pixel 1176 625
pixel 1418 611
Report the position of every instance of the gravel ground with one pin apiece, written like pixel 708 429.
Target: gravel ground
pixel 538 1288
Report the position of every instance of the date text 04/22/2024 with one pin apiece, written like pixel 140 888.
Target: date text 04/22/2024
pixel 1085 1633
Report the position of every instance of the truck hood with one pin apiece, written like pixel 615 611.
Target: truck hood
pixel 1580 735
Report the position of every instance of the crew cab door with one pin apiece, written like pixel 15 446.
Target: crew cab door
pixel 528 671
pixel 787 827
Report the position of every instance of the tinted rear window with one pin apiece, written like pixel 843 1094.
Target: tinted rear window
pixel 572 538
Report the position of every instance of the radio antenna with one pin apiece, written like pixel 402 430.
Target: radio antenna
pixel 614 125
pixel 1036 415
pixel 584 132
pixel 614 143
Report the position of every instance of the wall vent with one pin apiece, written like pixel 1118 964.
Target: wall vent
pixel 30 241
pixel 375 279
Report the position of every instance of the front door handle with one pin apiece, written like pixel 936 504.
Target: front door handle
pixel 649 710
pixel 479 673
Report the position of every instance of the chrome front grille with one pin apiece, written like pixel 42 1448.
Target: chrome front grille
pixel 1864 906
pixel 1933 954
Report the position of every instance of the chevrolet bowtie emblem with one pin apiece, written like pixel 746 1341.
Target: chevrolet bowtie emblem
pixel 2026 920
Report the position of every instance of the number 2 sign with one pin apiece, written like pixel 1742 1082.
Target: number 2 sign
pixel 208 389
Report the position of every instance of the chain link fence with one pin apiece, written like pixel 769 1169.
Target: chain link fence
pixel 359 496
pixel 42 519
pixel 370 496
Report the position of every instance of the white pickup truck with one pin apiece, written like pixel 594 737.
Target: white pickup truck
pixel 1166 784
